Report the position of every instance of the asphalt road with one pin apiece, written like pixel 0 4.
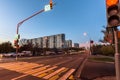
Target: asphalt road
pixel 60 67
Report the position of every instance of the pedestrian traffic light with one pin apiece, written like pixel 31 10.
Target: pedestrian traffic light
pixel 112 9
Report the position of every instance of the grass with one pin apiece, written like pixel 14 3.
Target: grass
pixel 103 59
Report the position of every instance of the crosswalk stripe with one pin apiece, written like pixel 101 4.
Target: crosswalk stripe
pixel 11 64
pixel 21 68
pixel 28 68
pixel 42 75
pixel 52 74
pixel 55 77
pixel 37 70
pixel 45 71
pixel 30 72
pixel 65 76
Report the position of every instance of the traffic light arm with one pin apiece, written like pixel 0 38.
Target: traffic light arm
pixel 20 23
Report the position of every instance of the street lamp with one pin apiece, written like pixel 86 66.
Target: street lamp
pixel 90 43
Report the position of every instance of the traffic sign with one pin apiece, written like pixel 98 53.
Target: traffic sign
pixel 17 36
pixel 47 7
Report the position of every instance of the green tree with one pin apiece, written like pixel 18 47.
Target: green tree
pixel 6 47
pixel 108 50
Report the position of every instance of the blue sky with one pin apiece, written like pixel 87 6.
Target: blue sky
pixel 72 17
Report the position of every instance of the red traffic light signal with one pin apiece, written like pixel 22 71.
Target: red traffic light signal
pixel 111 2
pixel 91 41
pixel 16 42
pixel 112 10
pixel 51 4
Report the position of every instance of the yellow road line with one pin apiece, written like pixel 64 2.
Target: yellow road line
pixel 64 77
pixel 52 74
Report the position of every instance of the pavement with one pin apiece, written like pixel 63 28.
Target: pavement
pixel 94 70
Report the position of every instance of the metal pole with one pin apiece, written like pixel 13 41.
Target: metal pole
pixel 20 23
pixel 117 56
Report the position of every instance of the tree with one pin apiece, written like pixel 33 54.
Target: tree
pixel 108 50
pixel 6 47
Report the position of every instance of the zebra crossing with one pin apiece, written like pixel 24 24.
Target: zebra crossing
pixel 42 71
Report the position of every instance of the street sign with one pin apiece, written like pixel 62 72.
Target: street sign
pixel 47 7
pixel 17 36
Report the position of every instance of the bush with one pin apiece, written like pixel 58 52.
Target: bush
pixel 107 50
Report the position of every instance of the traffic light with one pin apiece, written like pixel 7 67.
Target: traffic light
pixel 109 38
pixel 16 43
pixel 51 5
pixel 91 41
pixel 112 9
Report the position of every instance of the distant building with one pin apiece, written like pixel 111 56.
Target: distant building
pixel 53 41
pixel 76 45
pixel 68 43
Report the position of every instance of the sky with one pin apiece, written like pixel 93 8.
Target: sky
pixel 71 17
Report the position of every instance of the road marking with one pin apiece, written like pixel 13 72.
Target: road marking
pixel 37 70
pixel 64 77
pixel 55 77
pixel 11 64
pixel 71 77
pixel 17 67
pixel 28 68
pixel 36 74
pixel 52 74
pixel 42 75
pixel 23 67
pixel 30 72
pixel 62 62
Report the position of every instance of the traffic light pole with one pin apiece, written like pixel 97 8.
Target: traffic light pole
pixel 20 23
pixel 117 56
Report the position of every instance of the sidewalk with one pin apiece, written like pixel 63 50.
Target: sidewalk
pixel 7 60
pixel 94 70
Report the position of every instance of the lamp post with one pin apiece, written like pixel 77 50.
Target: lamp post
pixel 85 34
